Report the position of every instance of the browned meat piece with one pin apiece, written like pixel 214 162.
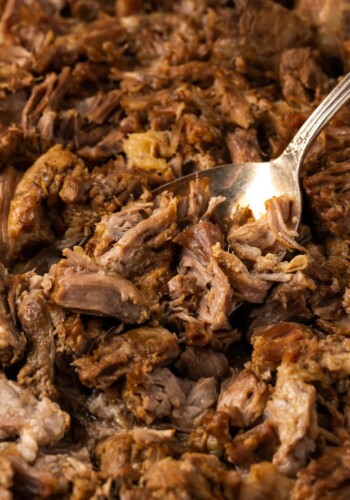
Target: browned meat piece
pixel 161 394
pixel 109 415
pixel 103 192
pixel 132 353
pixel 212 433
pixel 198 205
pixel 301 76
pixel 9 179
pixel 139 242
pixel 50 475
pixel 292 411
pixel 37 423
pixel 28 222
pixel 6 479
pixel 331 21
pixel 201 397
pixel 243 146
pixel 259 443
pixel 329 197
pixel 326 477
pixel 334 352
pixel 38 371
pixel 113 227
pixel 153 283
pixel 235 106
pixel 271 343
pixel 128 7
pixel 243 397
pixel 157 396
pixel 23 479
pixel 73 472
pixel 193 476
pixel 250 239
pixel 81 285
pixel 266 29
pixel 197 260
pixel 149 151
pixel 12 341
pixel 264 481
pixel 287 302
pixel 246 285
pixel 44 100
pixel 146 446
pixel 202 362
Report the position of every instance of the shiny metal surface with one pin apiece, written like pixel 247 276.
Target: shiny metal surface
pixel 252 184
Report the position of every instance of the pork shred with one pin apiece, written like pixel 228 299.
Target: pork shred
pixel 150 349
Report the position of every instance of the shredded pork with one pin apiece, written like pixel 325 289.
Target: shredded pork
pixel 149 349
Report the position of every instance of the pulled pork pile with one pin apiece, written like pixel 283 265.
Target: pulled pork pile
pixel 149 350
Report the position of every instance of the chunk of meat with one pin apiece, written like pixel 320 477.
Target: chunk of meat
pixel 194 475
pixel 330 20
pixel 335 354
pixel 137 243
pixel 212 433
pixel 246 285
pixel 201 397
pixel 198 205
pixel 26 480
pixel 38 371
pixel 157 396
pixel 288 302
pixel 326 477
pixel 149 151
pixel 72 470
pixel 12 341
pixel 266 29
pixel 113 227
pixel 301 76
pixel 243 397
pixel 243 146
pixel 197 261
pixel 202 362
pixel 6 479
pixel 251 238
pixel 9 178
pixel 146 446
pixel 163 395
pixel 128 7
pixel 109 415
pixel 271 343
pixel 292 412
pixel 37 423
pixel 264 481
pixel 328 195
pixel 82 286
pixel 132 353
pixel 259 443
pixel 27 221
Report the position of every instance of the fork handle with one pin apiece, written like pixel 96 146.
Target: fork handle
pixel 301 142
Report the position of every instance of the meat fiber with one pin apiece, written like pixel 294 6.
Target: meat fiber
pixel 37 423
pixel 132 353
pixel 12 340
pixel 244 398
pixel 77 275
pixel 38 371
pixel 292 412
